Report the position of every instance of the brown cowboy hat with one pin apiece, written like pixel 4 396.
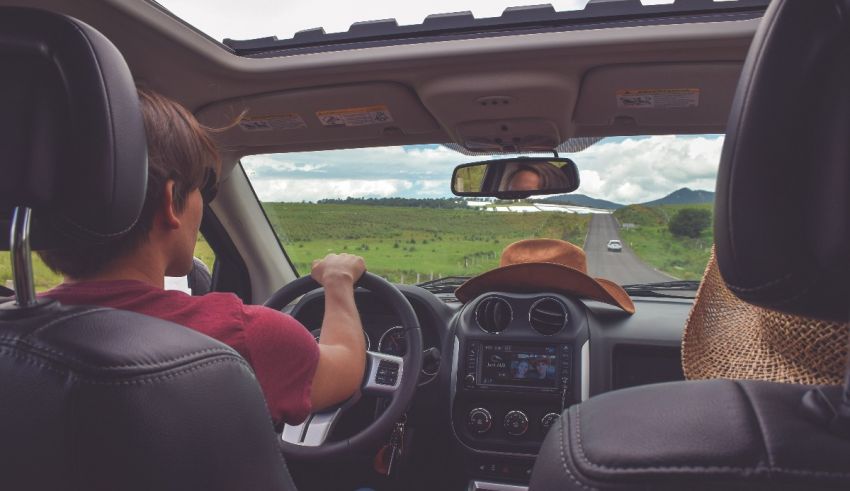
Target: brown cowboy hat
pixel 726 337
pixel 537 265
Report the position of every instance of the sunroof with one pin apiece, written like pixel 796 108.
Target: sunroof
pixel 251 19
pixel 253 27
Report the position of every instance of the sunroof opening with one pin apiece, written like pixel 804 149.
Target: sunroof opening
pixel 275 28
pixel 251 19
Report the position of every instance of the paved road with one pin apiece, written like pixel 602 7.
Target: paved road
pixel 621 267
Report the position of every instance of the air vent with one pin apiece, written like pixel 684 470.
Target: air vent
pixel 493 314
pixel 548 316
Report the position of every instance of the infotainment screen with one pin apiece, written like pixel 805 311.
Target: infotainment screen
pixel 519 365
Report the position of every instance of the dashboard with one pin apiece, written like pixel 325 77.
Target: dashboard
pixel 501 368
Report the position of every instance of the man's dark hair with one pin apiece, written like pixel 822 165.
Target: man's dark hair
pixel 179 148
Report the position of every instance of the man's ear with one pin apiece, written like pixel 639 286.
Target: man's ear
pixel 168 208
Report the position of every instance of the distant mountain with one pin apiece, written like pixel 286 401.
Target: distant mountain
pixel 581 200
pixel 683 196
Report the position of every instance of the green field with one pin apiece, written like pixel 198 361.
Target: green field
pixel 680 257
pixel 407 243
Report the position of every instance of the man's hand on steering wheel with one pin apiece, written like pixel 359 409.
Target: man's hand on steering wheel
pixel 338 267
pixel 342 350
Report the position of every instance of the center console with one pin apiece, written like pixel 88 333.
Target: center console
pixel 520 359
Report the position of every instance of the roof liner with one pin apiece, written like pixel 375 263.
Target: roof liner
pixel 170 56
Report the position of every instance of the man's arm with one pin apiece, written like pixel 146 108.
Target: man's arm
pixel 342 347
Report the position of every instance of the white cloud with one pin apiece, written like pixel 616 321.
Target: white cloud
pixel 634 170
pixel 624 170
pixel 249 19
pixel 316 189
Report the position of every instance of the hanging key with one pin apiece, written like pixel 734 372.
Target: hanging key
pixel 396 443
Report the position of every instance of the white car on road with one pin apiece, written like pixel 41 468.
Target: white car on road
pixel 615 245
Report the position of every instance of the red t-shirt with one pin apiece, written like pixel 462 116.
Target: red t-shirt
pixel 282 352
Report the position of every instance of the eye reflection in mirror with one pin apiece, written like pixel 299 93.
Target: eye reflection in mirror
pixel 516 178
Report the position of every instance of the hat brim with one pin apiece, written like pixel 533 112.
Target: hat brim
pixel 543 277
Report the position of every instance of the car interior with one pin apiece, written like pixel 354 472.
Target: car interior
pixel 94 398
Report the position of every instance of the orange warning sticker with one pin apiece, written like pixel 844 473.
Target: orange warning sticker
pixel 355 116
pixel 657 98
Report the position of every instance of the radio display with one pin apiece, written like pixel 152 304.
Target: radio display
pixel 519 365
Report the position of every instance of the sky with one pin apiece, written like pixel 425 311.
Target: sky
pixel 625 170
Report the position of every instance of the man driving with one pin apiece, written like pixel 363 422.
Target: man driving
pixel 297 376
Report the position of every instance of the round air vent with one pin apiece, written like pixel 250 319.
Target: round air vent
pixel 493 314
pixel 548 316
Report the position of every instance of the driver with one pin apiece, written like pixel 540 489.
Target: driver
pixel 297 375
pixel 526 178
pixel 538 176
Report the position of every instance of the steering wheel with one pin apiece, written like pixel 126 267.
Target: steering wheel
pixel 307 441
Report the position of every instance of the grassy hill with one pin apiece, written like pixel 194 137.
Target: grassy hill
pixel 684 196
pixel 681 257
pixel 581 200
pixel 400 243
pixel 641 215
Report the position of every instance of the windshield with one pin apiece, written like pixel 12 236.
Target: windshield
pixel 394 207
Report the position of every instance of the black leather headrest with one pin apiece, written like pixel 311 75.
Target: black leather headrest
pixel 782 227
pixel 72 142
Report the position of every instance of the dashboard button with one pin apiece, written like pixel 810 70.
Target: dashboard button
pixel 516 423
pixel 479 421
pixel 548 420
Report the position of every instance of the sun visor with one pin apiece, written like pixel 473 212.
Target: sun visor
pixel 659 98
pixel 361 114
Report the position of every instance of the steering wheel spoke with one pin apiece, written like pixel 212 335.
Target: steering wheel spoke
pixel 314 430
pixel 383 374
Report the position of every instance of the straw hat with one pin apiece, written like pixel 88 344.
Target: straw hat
pixel 728 338
pixel 537 265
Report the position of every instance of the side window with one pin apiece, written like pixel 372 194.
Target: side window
pixel 45 279
pixel 199 280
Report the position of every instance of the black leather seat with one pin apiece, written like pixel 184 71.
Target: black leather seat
pixel 94 398
pixel 782 234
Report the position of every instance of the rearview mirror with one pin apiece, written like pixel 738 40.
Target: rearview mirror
pixel 516 178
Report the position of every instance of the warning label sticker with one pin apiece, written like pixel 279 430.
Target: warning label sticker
pixel 289 121
pixel 355 116
pixel 657 98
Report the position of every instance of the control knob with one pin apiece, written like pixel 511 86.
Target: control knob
pixel 469 380
pixel 479 421
pixel 516 423
pixel 548 420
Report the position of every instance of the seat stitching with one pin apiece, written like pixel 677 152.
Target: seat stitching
pixel 40 347
pixel 564 442
pixel 687 468
pixel 28 358
pixel 159 378
pixel 33 360
pixel 72 315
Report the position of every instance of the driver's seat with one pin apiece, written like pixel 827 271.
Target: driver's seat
pixel 94 398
